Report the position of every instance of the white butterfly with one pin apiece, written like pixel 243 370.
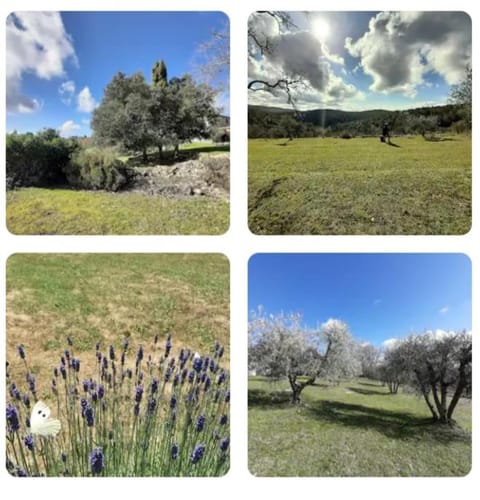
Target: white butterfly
pixel 41 423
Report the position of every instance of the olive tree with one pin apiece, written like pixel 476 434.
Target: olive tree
pixel 439 367
pixel 391 370
pixel 369 357
pixel 279 346
pixel 461 94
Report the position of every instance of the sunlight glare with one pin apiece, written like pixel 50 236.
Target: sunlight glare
pixel 320 28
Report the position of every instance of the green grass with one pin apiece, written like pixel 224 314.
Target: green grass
pixel 63 211
pixel 107 297
pixel 353 429
pixel 360 186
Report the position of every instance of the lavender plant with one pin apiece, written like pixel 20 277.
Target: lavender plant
pixel 147 412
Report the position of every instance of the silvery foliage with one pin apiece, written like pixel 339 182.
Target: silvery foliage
pixel 280 346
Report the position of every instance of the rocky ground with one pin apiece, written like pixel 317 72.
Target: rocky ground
pixel 208 175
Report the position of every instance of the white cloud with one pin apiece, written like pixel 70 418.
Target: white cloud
pixel 37 43
pixel 390 343
pixel 400 48
pixel 69 128
pixel 296 56
pixel 85 101
pixel 377 302
pixel 66 91
pixel 444 310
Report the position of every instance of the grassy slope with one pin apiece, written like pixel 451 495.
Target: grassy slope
pixel 62 211
pixel 105 297
pixel 354 429
pixel 360 186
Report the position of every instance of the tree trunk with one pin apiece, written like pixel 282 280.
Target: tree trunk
pixel 440 402
pixel 430 406
pixel 297 387
pixel 144 155
pixel 160 151
pixel 462 383
pixel 426 397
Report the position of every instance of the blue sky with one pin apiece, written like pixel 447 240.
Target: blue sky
pixel 74 51
pixel 362 60
pixel 380 296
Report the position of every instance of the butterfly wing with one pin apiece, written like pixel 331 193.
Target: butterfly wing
pixel 41 423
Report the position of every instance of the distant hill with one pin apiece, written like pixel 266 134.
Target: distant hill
pixel 261 119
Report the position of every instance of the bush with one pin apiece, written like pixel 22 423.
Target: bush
pixel 97 168
pixel 37 159
pixel 218 170
pixel 146 412
pixel 221 136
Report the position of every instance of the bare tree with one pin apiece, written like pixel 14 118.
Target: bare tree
pixel 212 57
pixel 261 43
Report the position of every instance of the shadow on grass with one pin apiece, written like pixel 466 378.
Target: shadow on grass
pixel 393 424
pixel 268 399
pixel 368 392
pixel 393 144
pixel 369 384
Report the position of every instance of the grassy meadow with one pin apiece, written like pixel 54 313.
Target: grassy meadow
pixel 67 211
pixel 108 297
pixel 355 428
pixel 360 186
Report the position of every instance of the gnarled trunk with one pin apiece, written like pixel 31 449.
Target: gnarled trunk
pixel 297 387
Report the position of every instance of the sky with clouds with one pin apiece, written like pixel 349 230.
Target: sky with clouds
pixel 380 296
pixel 360 60
pixel 57 64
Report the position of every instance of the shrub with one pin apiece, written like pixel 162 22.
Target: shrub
pixel 96 168
pixel 145 413
pixel 218 170
pixel 37 159
pixel 221 136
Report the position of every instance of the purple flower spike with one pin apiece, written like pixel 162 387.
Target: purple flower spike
pixel 138 393
pixel 200 423
pixel 21 351
pixel 224 444
pixel 12 418
pixel 97 461
pixel 197 453
pixel 28 440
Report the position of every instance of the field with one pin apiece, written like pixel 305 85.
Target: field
pixel 353 429
pixel 81 212
pixel 360 186
pixel 106 298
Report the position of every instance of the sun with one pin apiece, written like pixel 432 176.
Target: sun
pixel 320 29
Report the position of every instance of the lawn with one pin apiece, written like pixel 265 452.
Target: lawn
pixel 360 186
pixel 66 211
pixel 108 297
pixel 353 429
